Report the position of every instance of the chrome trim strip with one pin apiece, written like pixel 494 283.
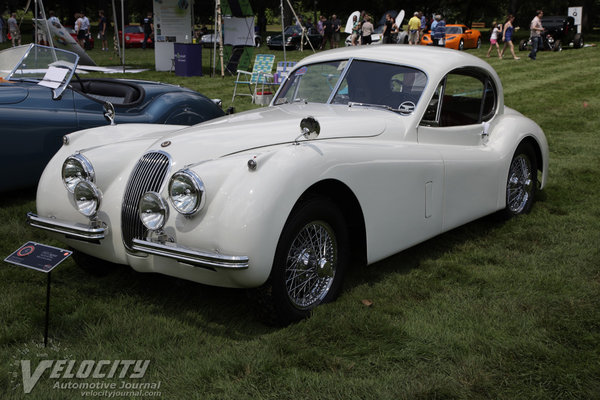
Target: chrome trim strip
pixel 79 231
pixel 191 256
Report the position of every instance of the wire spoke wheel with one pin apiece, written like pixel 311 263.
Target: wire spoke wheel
pixel 311 265
pixel 520 187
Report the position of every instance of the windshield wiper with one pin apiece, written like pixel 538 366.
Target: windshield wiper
pixel 384 106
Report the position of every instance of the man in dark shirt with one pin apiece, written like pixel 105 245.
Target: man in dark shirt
pixel 148 24
pixel 388 29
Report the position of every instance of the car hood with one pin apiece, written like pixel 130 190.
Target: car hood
pixel 271 126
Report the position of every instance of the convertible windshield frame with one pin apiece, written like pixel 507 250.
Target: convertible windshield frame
pixel 37 61
pixel 339 93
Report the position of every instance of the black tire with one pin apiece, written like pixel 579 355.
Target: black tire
pixel 479 43
pixel 304 276
pixel 523 45
pixel 521 183
pixel 557 46
pixel 461 45
pixel 578 41
pixel 92 265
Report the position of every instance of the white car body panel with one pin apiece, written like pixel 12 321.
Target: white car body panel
pixel 412 182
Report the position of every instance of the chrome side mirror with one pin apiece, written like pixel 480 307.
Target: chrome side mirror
pixel 109 112
pixel 310 129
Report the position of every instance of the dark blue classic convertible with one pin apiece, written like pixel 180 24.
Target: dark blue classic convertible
pixel 42 98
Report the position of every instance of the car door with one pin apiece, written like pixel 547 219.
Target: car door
pixel 33 124
pixel 455 123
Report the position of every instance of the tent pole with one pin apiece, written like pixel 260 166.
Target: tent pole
pixel 123 31
pixel 282 30
pixel 214 57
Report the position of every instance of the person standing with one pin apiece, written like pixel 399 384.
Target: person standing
pixel 355 29
pixel 148 24
pixel 84 30
pixel 536 30
pixel 1 29
pixel 102 30
pixel 53 20
pixel 13 29
pixel 327 33
pixel 414 24
pixel 423 26
pixel 320 27
pixel 388 29
pixel 438 34
pixel 507 33
pixel 367 31
pixel 337 25
pixel 496 31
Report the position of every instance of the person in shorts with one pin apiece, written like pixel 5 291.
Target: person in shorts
pixel 414 25
pixel 496 32
pixel 13 30
pixel 102 30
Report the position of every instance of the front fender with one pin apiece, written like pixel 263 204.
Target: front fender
pixel 246 209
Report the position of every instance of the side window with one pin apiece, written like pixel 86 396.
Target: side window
pixel 464 97
pixel 432 117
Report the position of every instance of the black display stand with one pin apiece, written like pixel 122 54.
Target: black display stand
pixel 43 258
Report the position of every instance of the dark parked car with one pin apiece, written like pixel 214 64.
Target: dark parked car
pixel 559 31
pixel 293 36
pixel 42 99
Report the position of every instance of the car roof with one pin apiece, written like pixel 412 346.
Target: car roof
pixel 435 61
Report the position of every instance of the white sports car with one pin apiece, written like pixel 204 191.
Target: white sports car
pixel 362 153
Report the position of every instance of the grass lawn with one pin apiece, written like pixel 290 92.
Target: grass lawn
pixel 489 310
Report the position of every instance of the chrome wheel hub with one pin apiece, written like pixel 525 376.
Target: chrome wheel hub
pixel 520 184
pixel 310 265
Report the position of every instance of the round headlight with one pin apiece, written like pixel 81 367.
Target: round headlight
pixel 187 193
pixel 76 168
pixel 153 211
pixel 87 197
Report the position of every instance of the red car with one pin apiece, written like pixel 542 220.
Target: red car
pixel 134 36
pixel 89 40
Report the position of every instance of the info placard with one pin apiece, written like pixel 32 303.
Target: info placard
pixel 38 256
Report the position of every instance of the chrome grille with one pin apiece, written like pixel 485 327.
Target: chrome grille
pixel 149 174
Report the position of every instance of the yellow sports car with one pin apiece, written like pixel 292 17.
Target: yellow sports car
pixel 458 37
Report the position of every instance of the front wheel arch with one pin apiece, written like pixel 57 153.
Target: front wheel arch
pixel 339 197
pixel 519 195
pixel 309 265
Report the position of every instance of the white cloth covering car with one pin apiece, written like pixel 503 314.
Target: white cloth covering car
pixel 362 153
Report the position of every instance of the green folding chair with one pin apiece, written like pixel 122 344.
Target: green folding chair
pixel 260 75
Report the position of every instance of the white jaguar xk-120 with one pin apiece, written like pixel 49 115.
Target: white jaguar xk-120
pixel 362 153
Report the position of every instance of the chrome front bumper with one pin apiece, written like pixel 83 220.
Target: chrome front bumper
pixel 182 254
pixel 191 256
pixel 78 231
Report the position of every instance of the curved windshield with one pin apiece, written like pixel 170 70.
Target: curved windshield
pixel 368 83
pixel 45 65
pixel 292 29
pixel 453 30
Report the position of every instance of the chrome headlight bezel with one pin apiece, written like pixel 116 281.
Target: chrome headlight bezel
pixel 153 211
pixel 85 171
pixel 87 198
pixel 194 190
